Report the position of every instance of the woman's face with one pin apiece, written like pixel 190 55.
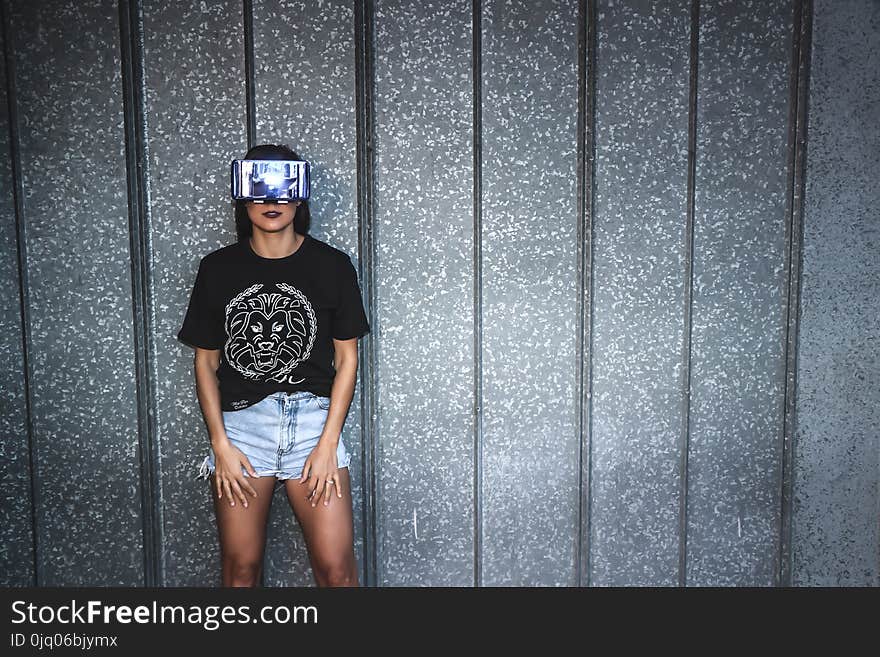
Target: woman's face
pixel 271 217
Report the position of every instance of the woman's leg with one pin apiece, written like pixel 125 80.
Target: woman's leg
pixel 242 533
pixel 328 531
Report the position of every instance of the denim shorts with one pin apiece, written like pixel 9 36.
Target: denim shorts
pixel 277 434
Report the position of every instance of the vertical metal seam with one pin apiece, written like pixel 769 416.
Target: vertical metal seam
pixel 586 192
pixel 592 77
pixel 797 149
pixel 579 346
pixel 24 282
pixel 684 440
pixel 364 109
pixel 132 61
pixel 476 72
pixel 249 75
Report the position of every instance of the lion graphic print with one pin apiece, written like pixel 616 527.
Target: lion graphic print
pixel 270 330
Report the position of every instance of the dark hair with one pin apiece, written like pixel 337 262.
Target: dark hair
pixel 301 219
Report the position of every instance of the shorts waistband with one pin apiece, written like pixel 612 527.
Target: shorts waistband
pixel 292 396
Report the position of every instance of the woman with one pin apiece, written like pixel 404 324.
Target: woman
pixel 275 319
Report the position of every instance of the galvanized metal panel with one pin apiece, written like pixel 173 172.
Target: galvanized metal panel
pixel 16 511
pixel 529 269
pixel 304 87
pixel 424 292
pixel 739 310
pixel 836 516
pixel 67 67
pixel 196 123
pixel 639 291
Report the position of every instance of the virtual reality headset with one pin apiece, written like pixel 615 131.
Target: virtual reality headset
pixel 270 181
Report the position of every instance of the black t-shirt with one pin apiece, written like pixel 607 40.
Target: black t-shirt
pixel 274 318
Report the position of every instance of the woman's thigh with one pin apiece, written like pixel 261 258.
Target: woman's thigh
pixel 242 530
pixel 327 529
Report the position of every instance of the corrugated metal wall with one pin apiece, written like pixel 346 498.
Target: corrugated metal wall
pixel 836 504
pixel 614 343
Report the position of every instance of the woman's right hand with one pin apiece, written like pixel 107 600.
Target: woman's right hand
pixel 228 477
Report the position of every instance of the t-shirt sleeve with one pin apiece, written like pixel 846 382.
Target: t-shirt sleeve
pixel 349 318
pixel 202 325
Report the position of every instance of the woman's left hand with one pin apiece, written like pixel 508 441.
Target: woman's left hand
pixel 319 472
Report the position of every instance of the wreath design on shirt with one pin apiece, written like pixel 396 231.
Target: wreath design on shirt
pixel 269 333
